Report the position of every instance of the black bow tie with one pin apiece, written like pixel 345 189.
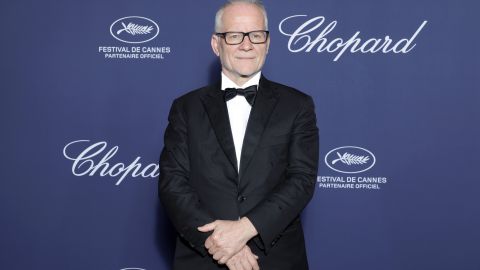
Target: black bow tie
pixel 249 93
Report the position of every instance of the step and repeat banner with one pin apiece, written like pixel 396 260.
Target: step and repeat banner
pixel 86 87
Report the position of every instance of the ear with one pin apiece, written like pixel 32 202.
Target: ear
pixel 268 44
pixel 215 45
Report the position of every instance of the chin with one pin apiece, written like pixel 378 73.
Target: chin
pixel 248 73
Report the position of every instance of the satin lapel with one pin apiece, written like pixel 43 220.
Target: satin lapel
pixel 264 103
pixel 218 114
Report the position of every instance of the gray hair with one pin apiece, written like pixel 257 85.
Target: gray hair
pixel 258 3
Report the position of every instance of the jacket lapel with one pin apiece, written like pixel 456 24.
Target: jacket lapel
pixel 264 103
pixel 217 112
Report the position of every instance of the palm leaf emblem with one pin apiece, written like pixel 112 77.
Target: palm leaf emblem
pixel 135 29
pixel 351 159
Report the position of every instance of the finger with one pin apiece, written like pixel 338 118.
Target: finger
pixel 224 259
pixel 207 227
pixel 208 243
pixel 215 238
pixel 251 258
pixel 250 251
pixel 253 262
pixel 213 249
pixel 245 264
pixel 236 265
pixel 231 265
pixel 217 256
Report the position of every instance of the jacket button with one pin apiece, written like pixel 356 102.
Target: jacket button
pixel 241 198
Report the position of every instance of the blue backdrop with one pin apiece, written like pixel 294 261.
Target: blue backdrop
pixel 83 111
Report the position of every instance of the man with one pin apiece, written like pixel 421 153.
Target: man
pixel 239 165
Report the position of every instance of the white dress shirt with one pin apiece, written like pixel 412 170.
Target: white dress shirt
pixel 238 112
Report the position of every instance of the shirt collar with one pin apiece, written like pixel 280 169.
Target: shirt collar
pixel 227 83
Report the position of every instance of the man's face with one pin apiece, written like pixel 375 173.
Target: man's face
pixel 242 61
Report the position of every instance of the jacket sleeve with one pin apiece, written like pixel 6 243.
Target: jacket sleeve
pixel 290 197
pixel 180 200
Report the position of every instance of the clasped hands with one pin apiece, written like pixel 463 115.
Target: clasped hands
pixel 227 243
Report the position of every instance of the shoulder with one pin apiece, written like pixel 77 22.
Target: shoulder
pixel 193 94
pixel 288 93
pixel 193 97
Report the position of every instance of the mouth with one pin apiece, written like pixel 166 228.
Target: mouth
pixel 245 58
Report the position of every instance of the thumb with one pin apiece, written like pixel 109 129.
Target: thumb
pixel 207 227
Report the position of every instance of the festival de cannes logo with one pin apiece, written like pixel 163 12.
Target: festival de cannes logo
pixel 134 29
pixel 350 159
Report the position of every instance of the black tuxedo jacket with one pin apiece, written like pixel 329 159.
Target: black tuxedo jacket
pixel 199 182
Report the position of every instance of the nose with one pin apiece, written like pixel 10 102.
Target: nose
pixel 246 45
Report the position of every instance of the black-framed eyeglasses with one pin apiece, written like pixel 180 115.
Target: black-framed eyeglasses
pixel 235 38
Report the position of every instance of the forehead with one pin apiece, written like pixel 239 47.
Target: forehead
pixel 242 17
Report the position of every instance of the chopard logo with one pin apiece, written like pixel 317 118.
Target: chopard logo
pixel 350 159
pixel 306 35
pixel 134 29
pixel 92 159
